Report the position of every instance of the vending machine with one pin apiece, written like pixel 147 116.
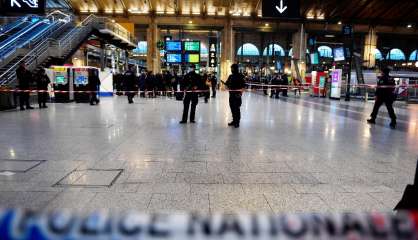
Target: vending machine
pixel 81 84
pixel 62 80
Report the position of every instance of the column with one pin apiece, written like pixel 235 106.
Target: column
pixel 102 55
pixel 227 49
pixel 126 59
pixel 370 43
pixel 298 63
pixel 153 55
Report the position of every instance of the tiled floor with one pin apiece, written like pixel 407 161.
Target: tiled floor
pixel 290 155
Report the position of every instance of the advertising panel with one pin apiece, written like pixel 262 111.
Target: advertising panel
pixel 22 7
pixel 336 78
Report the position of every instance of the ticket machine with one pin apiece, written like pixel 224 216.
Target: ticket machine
pixel 62 81
pixel 81 83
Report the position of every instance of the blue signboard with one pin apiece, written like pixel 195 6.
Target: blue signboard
pixel 173 46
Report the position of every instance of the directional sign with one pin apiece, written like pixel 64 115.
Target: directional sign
pixel 281 8
pixel 22 7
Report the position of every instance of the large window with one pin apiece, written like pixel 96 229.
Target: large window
pixel 248 49
pixel 414 56
pixel 325 52
pixel 291 52
pixel 396 55
pixel 377 54
pixel 273 48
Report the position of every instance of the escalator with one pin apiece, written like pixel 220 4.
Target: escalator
pixel 25 36
pixel 11 29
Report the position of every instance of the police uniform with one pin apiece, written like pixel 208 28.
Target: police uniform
pixel 191 82
pixel 24 78
pixel 235 82
pixel 130 85
pixel 385 94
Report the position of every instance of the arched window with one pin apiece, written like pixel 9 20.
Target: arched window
pixel 377 54
pixel 396 54
pixel 414 56
pixel 291 52
pixel 273 48
pixel 141 48
pixel 248 49
pixel 325 51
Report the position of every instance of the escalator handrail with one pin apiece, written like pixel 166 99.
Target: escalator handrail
pixel 21 33
pixel 10 26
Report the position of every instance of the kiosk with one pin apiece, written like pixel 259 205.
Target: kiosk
pixel 62 80
pixel 81 83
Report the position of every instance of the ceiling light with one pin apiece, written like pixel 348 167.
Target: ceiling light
pixel 409 26
pixel 190 22
pixel 329 36
pixel 339 23
pixel 416 64
pixel 267 25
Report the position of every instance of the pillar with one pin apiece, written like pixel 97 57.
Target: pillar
pixel 102 55
pixel 298 64
pixel 227 49
pixel 370 43
pixel 126 59
pixel 153 54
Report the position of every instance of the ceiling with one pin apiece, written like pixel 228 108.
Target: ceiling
pixel 388 12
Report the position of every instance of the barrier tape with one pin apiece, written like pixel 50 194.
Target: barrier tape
pixel 25 225
pixel 282 87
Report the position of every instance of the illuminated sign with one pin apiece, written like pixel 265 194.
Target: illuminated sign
pixel 336 78
pixel 213 59
pixel 173 46
pixel 339 54
pixel 281 8
pixel 173 58
pixel 22 6
pixel 193 46
pixel 192 58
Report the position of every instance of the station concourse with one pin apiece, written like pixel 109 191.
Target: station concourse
pixel 303 144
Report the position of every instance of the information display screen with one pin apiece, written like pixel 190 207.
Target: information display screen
pixel 339 54
pixel 192 58
pixel 314 58
pixel 192 46
pixel 173 58
pixel 173 46
pixel 81 76
pixel 60 80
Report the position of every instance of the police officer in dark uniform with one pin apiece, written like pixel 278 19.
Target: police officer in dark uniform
pixel 384 94
pixel 94 86
pixel 24 78
pixel 235 83
pixel 42 82
pixel 191 82
pixel 131 85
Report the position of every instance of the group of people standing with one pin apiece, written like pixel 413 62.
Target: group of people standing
pixel 25 78
pixel 169 84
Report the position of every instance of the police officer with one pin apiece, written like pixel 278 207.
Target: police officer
pixel 235 83
pixel 24 78
pixel 214 84
pixel 384 94
pixel 94 86
pixel 131 85
pixel 191 82
pixel 42 82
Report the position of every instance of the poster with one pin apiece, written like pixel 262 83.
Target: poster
pixel 336 78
